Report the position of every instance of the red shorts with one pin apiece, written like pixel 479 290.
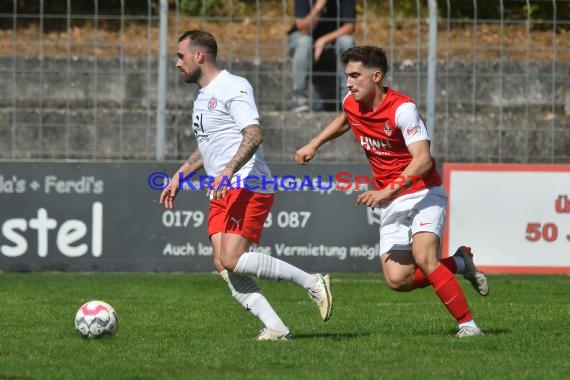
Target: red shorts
pixel 242 212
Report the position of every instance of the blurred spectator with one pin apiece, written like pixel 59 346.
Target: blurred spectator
pixel 322 28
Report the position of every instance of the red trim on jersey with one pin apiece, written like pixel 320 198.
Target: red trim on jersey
pixel 241 212
pixel 383 142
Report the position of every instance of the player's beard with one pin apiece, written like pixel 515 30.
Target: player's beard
pixel 191 77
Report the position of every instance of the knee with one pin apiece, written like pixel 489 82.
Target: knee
pixel 304 41
pixel 218 264
pixel 344 42
pixel 227 261
pixel 301 46
pixel 398 283
pixel 426 264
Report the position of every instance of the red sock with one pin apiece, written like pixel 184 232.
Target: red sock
pixel 449 292
pixel 420 279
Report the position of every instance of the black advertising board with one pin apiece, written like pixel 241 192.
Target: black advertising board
pixel 90 216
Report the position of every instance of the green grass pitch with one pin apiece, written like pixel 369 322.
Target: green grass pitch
pixel 187 326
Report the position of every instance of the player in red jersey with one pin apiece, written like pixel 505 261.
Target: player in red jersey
pixel 407 185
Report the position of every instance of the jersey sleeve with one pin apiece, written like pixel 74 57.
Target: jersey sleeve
pixel 242 107
pixel 409 121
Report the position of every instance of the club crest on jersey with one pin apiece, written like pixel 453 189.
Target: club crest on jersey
pixel 387 129
pixel 212 103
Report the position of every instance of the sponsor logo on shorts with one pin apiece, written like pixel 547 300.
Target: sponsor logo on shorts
pixel 235 221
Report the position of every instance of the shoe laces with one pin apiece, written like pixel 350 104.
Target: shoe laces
pixel 315 294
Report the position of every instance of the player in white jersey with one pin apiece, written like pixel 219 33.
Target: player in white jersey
pixel 225 121
pixel 218 132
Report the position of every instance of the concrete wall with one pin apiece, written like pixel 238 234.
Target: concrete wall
pixel 502 113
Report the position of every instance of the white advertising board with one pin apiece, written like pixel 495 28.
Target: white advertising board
pixel 516 218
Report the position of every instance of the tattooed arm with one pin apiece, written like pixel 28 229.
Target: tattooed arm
pixel 252 139
pixel 193 163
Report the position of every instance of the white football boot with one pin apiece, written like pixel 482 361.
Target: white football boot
pixel 268 334
pixel 468 331
pixel 321 295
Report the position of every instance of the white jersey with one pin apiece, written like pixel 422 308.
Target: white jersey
pixel 221 110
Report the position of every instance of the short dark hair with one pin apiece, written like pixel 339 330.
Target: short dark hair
pixel 202 39
pixel 369 56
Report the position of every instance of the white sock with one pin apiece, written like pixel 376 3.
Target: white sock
pixel 270 268
pixel 460 264
pixel 245 290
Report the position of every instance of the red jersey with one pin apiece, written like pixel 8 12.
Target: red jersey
pixel 385 133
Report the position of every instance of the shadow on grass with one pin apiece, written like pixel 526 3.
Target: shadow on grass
pixel 497 331
pixel 332 336
pixel 489 332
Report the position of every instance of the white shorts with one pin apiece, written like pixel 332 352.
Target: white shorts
pixel 401 219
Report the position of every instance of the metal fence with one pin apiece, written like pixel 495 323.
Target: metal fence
pixel 84 85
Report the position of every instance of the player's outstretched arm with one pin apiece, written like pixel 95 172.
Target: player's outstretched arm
pixel 335 129
pixel 192 164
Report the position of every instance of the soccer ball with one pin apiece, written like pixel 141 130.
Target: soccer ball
pixel 96 319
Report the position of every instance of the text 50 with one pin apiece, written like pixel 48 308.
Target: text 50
pixel 538 231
